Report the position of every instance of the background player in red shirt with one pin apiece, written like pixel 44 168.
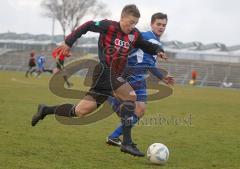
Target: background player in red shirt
pixel 59 58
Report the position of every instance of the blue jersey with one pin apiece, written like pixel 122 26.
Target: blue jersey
pixel 139 62
pixel 138 65
pixel 139 58
pixel 41 61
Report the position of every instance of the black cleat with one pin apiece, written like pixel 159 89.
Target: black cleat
pixel 132 149
pixel 114 141
pixel 39 115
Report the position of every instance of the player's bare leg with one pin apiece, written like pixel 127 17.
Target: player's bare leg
pixel 140 109
pixel 85 106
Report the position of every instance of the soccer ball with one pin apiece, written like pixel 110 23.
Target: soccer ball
pixel 158 153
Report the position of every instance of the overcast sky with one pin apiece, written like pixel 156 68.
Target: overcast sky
pixel 207 21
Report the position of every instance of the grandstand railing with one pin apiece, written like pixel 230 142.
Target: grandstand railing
pixel 209 73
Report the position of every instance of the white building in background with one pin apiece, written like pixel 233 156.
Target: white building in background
pixel 216 52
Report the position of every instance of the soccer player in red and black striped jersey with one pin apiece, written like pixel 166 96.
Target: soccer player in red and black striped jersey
pixel 116 40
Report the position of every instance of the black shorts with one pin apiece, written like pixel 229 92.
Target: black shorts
pixel 60 64
pixel 31 63
pixel 104 82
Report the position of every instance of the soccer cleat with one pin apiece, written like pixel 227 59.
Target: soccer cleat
pixel 39 115
pixel 114 141
pixel 132 149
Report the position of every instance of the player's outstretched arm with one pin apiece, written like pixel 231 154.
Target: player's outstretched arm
pixel 162 55
pixel 92 26
pixel 64 48
pixel 169 80
pixel 156 72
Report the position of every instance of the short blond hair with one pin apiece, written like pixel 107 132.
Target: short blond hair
pixel 130 10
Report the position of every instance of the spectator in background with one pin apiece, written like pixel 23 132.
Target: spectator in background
pixel 194 77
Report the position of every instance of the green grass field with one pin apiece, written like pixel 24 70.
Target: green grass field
pixel 200 127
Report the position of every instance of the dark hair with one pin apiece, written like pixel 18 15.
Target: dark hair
pixel 158 15
pixel 130 10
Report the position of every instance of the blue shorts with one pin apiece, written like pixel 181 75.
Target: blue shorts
pixel 140 89
pixel 41 68
pixel 135 76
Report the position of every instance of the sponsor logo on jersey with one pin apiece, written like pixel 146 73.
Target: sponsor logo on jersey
pixel 121 43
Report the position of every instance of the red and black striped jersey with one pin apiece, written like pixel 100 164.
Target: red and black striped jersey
pixel 114 45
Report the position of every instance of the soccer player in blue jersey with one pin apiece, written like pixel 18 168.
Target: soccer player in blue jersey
pixel 139 63
pixel 41 61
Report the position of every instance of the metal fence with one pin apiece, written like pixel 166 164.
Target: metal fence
pixel 209 73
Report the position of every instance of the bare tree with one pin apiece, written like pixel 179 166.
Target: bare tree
pixel 69 13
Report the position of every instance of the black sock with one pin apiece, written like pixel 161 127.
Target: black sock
pixel 66 80
pixel 67 110
pixel 127 136
pixel 49 110
pixel 127 111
